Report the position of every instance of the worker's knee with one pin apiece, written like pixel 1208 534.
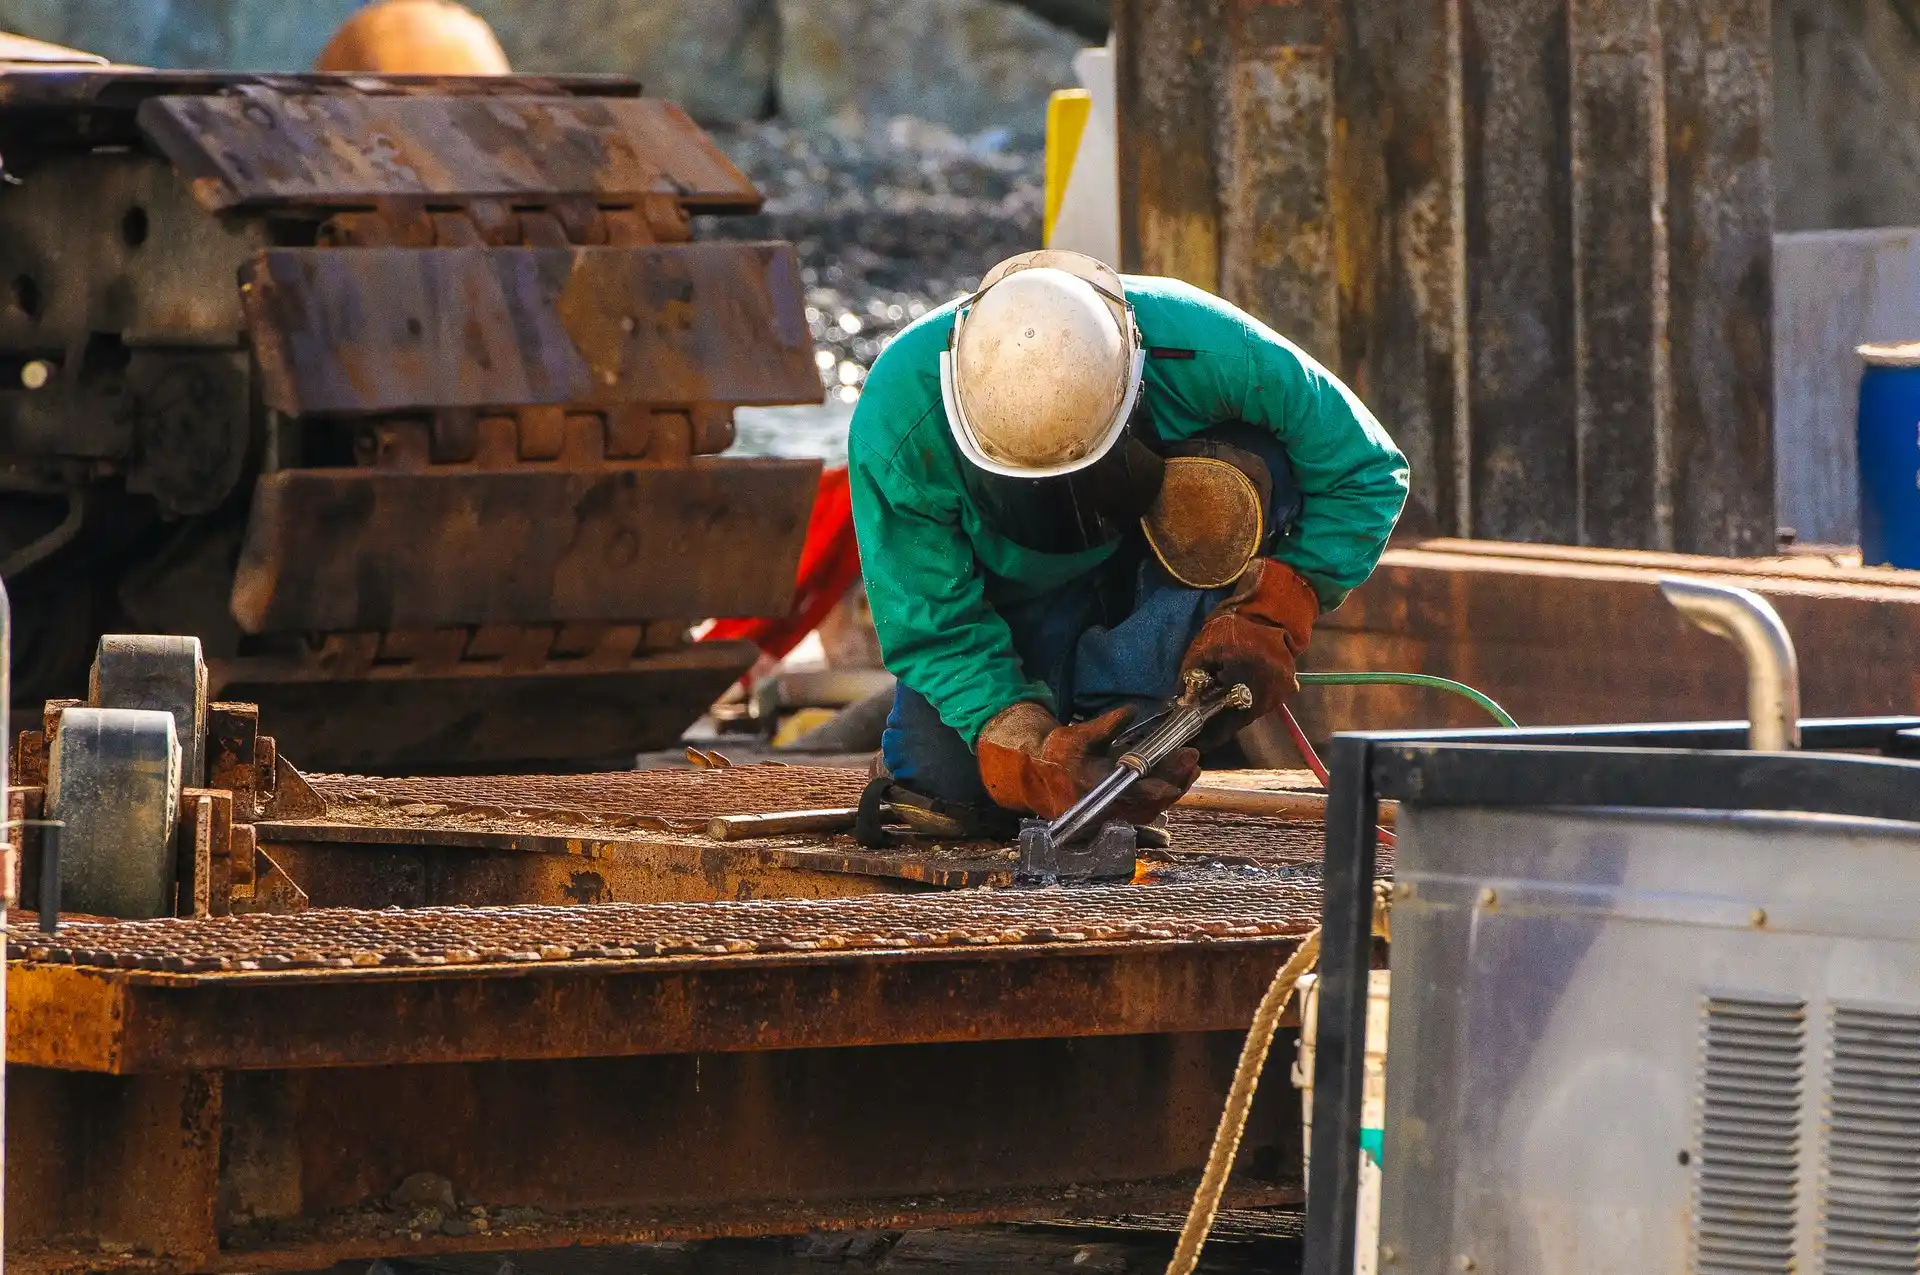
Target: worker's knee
pixel 926 755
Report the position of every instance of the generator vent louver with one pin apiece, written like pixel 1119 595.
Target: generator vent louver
pixel 1870 1214
pixel 1747 1168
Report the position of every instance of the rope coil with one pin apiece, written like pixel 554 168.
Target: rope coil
pixel 1246 1079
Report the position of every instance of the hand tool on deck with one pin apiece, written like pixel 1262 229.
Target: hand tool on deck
pixel 1048 850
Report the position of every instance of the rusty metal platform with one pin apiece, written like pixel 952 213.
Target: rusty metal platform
pixel 830 1055
pixel 346 988
pixel 631 1072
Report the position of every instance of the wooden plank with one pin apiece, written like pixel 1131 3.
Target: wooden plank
pixel 257 148
pixel 781 823
pixel 372 551
pixel 1623 389
pixel 1720 218
pixel 1277 228
pixel 1544 224
pixel 1398 195
pixel 1519 266
pixel 1167 58
pixel 392 329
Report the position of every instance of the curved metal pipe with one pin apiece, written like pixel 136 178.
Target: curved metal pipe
pixel 32 555
pixel 1749 621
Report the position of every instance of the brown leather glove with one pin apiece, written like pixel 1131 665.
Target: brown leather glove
pixel 1254 635
pixel 1029 761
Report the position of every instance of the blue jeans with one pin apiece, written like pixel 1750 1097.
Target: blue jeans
pixel 1113 636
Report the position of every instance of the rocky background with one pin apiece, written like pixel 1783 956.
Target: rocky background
pixel 889 221
pixel 967 65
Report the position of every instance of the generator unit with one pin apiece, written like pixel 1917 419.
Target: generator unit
pixel 1655 1000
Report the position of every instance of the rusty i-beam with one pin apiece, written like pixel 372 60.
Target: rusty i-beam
pixel 1535 236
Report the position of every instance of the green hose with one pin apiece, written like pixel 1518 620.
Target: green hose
pixel 1412 679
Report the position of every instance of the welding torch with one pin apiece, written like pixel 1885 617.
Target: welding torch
pixel 1147 745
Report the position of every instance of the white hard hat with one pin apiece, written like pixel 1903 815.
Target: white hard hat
pixel 1043 367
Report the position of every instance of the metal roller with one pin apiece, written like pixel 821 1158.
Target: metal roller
pixel 113 779
pixel 154 671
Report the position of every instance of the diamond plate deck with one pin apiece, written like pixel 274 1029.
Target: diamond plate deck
pixel 344 939
pixel 655 799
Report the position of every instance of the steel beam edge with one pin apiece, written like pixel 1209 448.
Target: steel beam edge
pixel 136 1022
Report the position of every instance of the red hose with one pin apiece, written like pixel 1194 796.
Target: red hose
pixel 1318 767
pixel 829 565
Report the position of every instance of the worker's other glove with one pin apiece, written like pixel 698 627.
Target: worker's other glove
pixel 1029 761
pixel 1253 636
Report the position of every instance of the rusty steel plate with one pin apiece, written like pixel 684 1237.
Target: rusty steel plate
pixel 1564 636
pixel 278 1170
pixel 391 329
pixel 258 148
pixel 348 550
pixel 342 939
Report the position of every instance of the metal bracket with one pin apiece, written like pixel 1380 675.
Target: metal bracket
pixel 1108 856
pixel 50 830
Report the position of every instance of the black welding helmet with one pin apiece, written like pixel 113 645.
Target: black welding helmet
pixel 1082 510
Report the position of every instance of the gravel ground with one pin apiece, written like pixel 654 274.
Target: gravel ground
pixel 889 223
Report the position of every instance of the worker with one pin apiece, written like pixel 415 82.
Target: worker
pixel 414 37
pixel 1071 487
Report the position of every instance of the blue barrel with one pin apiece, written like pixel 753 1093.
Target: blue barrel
pixel 1889 431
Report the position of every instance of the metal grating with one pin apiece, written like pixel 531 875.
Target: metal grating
pixel 676 802
pixel 1747 1166
pixel 344 939
pixel 1870 1189
pixel 613 797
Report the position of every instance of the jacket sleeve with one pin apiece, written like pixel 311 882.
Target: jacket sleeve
pixel 937 631
pixel 1353 479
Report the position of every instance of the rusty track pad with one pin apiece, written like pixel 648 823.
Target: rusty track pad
pixel 393 329
pixel 357 550
pixel 262 149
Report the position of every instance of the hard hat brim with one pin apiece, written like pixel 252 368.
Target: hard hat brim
pixel 969 443
pixel 1105 281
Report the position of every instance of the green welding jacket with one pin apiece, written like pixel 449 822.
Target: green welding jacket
pixel 934 570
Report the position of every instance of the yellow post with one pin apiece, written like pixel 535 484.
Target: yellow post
pixel 1067 112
